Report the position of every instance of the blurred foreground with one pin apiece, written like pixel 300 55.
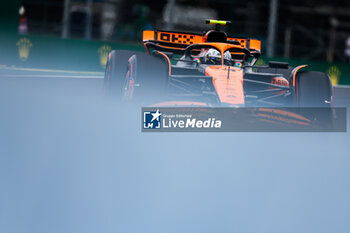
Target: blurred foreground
pixel 73 161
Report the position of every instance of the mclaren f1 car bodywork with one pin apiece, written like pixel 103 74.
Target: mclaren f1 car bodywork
pixel 210 69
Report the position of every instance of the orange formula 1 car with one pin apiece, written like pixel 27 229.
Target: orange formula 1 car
pixel 210 69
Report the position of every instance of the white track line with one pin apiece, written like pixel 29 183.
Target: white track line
pixel 342 86
pixel 5 67
pixel 53 76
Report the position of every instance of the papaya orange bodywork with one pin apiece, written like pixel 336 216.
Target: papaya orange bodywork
pixel 295 72
pixel 222 47
pixel 284 113
pixel 255 44
pixel 148 35
pixel 228 83
pixel 280 81
pixel 190 38
pixel 168 61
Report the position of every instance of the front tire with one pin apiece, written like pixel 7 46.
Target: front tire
pixel 313 89
pixel 116 67
pixel 146 79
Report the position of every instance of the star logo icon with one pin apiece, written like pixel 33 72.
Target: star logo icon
pixel 152 119
pixel 156 115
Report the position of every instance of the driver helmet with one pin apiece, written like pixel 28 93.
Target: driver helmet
pixel 213 56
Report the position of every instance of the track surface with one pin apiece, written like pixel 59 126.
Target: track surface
pixel 71 161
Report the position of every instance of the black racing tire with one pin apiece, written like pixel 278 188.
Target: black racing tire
pixel 146 79
pixel 116 67
pixel 313 89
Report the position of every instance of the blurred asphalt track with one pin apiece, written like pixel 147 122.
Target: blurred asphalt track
pixel 73 162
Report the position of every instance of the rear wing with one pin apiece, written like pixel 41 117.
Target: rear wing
pixel 180 40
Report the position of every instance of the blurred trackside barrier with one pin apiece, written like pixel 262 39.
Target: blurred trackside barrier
pixel 81 55
pixel 40 52
pixel 9 15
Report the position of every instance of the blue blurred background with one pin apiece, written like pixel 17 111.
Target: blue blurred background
pixel 42 33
